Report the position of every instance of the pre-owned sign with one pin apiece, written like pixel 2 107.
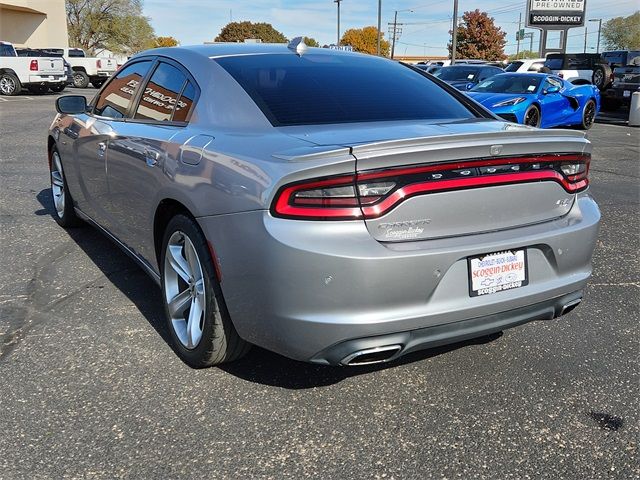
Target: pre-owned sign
pixel 559 13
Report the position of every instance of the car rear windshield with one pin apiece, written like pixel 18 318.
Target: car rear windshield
pixel 323 89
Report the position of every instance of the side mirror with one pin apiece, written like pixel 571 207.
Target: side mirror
pixel 553 89
pixel 71 104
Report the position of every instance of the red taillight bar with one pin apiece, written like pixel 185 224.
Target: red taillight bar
pixel 33 65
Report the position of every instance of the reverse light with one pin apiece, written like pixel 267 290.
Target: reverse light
pixel 371 194
pixel 511 101
pixel 33 65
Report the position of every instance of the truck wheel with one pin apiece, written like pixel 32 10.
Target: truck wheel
pixel 9 84
pixel 58 88
pixel 80 79
pixel 38 89
pixel 97 83
pixel 598 78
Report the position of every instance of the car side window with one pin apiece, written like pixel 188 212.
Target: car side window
pixel 535 67
pixel 552 82
pixel 161 94
pixel 115 99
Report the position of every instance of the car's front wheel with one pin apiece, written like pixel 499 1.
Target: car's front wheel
pixel 65 214
pixel 201 329
pixel 532 116
pixel 80 79
pixel 588 115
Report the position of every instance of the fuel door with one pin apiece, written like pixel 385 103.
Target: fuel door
pixel 192 150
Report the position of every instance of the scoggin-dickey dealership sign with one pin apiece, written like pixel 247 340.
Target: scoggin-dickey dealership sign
pixel 561 13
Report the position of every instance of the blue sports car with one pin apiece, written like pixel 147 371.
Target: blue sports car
pixel 538 100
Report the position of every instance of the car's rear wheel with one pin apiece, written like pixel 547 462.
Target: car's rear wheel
pixel 532 116
pixel 598 77
pixel 80 79
pixel 65 214
pixel 9 84
pixel 588 115
pixel 202 332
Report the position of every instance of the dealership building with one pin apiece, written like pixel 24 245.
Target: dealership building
pixel 34 23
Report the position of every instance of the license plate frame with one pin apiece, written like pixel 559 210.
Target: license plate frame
pixel 509 275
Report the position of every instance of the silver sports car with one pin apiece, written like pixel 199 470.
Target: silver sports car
pixel 333 207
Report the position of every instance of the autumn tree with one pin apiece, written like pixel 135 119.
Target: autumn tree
pixel 311 42
pixel 165 42
pixel 241 31
pixel 622 33
pixel 365 40
pixel 479 37
pixel 115 25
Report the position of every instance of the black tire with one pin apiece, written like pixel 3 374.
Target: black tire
pixel 38 89
pixel 9 84
pixel 97 83
pixel 80 79
pixel 58 88
pixel 65 216
pixel 220 341
pixel 588 115
pixel 532 117
pixel 599 78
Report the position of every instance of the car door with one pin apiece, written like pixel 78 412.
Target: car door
pixel 553 105
pixel 138 153
pixel 92 134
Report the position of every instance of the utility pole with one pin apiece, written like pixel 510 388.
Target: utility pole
pixel 379 26
pixel 395 26
pixel 518 36
pixel 586 32
pixel 599 20
pixel 454 33
pixel 338 3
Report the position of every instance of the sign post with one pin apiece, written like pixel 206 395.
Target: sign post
pixel 555 15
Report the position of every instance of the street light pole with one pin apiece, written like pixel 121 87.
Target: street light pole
pixel 518 36
pixel 379 26
pixel 454 33
pixel 338 3
pixel 395 26
pixel 599 20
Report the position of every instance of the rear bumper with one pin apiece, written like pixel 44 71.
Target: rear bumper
pixel 303 289
pixel 46 79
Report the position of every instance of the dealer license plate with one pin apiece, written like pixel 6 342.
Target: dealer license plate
pixel 626 93
pixel 495 272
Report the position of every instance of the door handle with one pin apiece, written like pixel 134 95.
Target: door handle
pixel 151 157
pixel 102 147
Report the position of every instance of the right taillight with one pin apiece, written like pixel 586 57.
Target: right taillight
pixel 371 194
pixel 33 65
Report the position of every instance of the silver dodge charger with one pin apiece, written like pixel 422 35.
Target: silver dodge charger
pixel 333 207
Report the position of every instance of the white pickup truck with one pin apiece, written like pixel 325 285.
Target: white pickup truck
pixel 36 74
pixel 87 69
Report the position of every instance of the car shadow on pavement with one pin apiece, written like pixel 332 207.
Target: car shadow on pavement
pixel 259 365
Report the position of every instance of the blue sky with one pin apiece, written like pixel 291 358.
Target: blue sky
pixel 425 30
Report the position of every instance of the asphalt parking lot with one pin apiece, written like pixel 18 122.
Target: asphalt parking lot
pixel 89 387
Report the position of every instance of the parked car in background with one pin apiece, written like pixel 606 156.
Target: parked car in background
pixel 620 58
pixel 35 52
pixel 428 68
pixel 526 65
pixel 465 76
pixel 94 70
pixel 345 225
pixel 35 73
pixel 580 68
pixel 539 100
pixel 626 80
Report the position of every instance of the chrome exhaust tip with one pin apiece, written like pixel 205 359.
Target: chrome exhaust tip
pixel 570 306
pixel 372 355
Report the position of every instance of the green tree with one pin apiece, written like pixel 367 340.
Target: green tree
pixel 117 25
pixel 524 54
pixel 165 42
pixel 622 33
pixel 311 42
pixel 479 37
pixel 365 40
pixel 241 31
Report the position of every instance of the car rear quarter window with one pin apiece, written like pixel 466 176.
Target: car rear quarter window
pixel 115 99
pixel 323 89
pixel 184 106
pixel 161 93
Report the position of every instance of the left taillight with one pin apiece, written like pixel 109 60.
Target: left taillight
pixel 374 193
pixel 33 65
pixel 99 63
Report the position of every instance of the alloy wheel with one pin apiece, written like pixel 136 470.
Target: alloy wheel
pixel 7 85
pixel 57 184
pixel 532 117
pixel 598 76
pixel 589 114
pixel 77 81
pixel 184 289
